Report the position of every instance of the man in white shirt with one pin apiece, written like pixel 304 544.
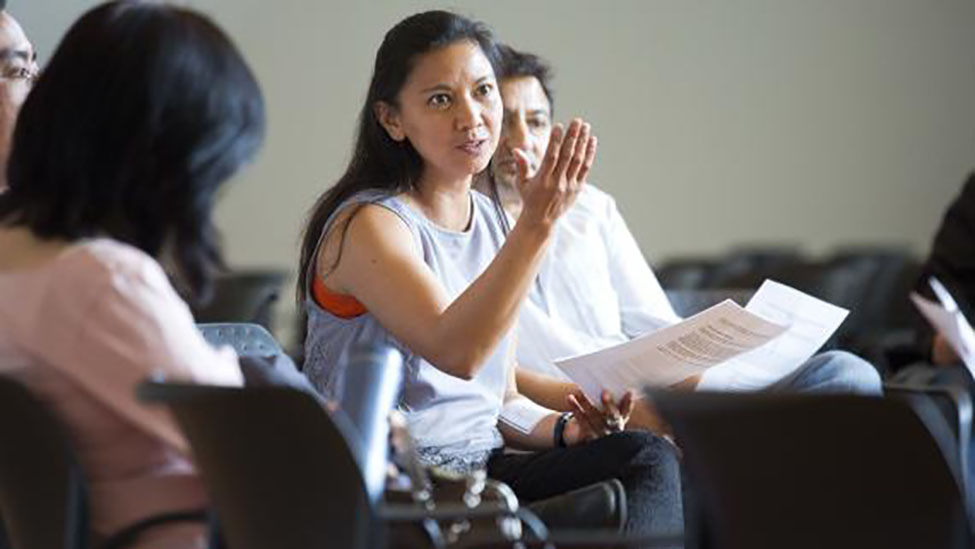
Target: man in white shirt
pixel 594 288
pixel 18 68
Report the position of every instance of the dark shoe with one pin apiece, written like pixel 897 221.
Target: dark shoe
pixel 597 506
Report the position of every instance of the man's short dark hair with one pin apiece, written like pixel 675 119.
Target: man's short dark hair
pixel 515 64
pixel 3 5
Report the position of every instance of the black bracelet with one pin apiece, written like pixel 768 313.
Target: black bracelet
pixel 558 436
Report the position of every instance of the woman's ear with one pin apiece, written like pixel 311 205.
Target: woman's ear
pixel 389 119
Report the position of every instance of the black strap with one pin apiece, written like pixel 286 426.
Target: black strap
pixel 558 435
pixel 125 537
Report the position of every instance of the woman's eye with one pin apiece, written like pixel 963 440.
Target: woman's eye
pixel 14 73
pixel 440 100
pixel 484 89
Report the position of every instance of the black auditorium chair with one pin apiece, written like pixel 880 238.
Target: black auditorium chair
pixel 277 468
pixel 685 272
pixel 43 496
pixel 773 471
pixel 283 472
pixel 687 302
pixel 43 491
pixel 748 266
pixel 243 296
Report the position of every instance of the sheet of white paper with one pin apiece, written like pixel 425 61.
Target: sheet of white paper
pixel 671 354
pixel 811 322
pixel 950 323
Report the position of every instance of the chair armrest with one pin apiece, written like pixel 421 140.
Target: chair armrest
pixel 959 396
pixel 397 512
pixel 415 513
pixel 584 539
pixel 962 401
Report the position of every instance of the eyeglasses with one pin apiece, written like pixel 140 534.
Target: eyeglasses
pixel 14 74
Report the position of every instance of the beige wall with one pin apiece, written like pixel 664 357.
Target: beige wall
pixel 817 122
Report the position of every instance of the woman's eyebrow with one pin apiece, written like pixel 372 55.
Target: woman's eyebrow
pixel 438 87
pixel 7 54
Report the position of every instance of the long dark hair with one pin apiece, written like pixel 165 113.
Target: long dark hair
pixel 144 110
pixel 379 162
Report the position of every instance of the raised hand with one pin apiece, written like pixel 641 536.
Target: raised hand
pixel 553 188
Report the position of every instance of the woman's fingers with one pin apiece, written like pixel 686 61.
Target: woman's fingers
pixel 585 425
pixel 568 149
pixel 578 154
pixel 580 413
pixel 561 174
pixel 614 419
pixel 589 159
pixel 552 152
pixel 626 404
pixel 588 413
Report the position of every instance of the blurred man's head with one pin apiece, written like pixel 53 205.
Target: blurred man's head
pixel 18 68
pixel 527 99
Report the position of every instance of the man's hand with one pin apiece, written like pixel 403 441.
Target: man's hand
pixel 688 384
pixel 941 352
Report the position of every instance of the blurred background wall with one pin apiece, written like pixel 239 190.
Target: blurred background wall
pixel 815 123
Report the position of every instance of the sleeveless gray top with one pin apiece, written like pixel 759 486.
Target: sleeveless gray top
pixel 453 421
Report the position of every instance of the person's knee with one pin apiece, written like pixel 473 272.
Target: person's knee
pixel 642 449
pixel 652 481
pixel 841 371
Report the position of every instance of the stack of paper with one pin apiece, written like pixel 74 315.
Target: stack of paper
pixel 734 348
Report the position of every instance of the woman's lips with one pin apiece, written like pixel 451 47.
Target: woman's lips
pixel 473 147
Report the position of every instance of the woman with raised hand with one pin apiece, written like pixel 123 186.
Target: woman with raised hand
pixel 143 112
pixel 401 250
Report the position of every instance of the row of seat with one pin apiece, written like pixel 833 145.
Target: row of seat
pixel 873 283
pixel 770 471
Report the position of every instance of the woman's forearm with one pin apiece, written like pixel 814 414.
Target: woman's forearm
pixel 545 390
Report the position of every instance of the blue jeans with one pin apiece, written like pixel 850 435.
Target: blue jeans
pixel 832 372
pixel 828 372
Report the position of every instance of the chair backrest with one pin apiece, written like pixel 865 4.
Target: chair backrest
pixel 690 302
pixel 748 266
pixel 43 496
pixel 245 338
pixel 685 273
pixel 816 471
pixel 280 470
pixel 371 388
pixel 243 296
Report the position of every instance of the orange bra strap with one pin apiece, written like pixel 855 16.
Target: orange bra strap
pixel 340 305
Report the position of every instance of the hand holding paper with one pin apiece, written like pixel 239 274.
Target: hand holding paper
pixel 949 321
